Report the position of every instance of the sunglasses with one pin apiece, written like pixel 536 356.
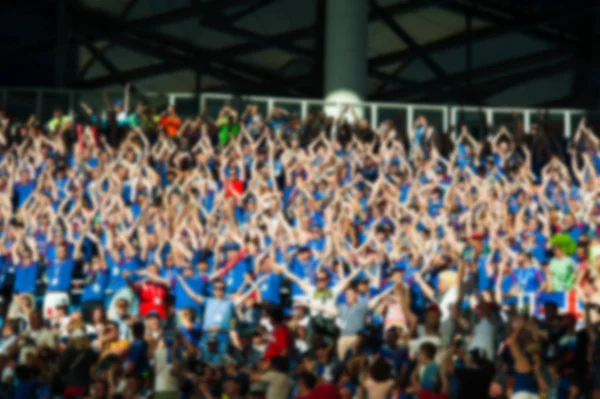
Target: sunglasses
pixel 219 288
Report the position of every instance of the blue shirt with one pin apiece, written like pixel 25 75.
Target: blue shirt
pixel 116 271
pixel 236 276
pixel 26 278
pixel 23 191
pixel 529 279
pixel 192 335
pixel 198 284
pixel 51 252
pixel 138 355
pixel 269 288
pixel 59 275
pixel 95 290
pixel 218 314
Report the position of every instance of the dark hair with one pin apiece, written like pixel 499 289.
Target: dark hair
pixel 380 370
pixel 428 349
pixel 113 323
pixel 308 379
pixel 138 330
pixel 276 314
pixel 280 363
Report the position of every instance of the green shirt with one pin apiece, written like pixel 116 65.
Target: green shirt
pixel 563 273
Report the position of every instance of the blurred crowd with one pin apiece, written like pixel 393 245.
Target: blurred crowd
pixel 243 255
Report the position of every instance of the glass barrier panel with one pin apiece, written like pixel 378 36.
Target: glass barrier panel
pixel 575 120
pixel 509 119
pixel 293 108
pixel 93 99
pixel 21 104
pixel 262 106
pixel 475 121
pixel 555 121
pixel 315 108
pixel 187 107
pixel 434 118
pixel 51 100
pixel 213 106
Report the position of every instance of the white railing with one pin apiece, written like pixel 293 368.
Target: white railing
pixel 21 102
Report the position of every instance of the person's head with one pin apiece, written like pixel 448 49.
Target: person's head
pixel 152 322
pixel 306 382
pixel 391 336
pixel 279 364
pixel 118 106
pixel 111 331
pixel 26 256
pixel 187 315
pixel 35 320
pixel 380 370
pixel 432 316
pixel 138 330
pixel 99 389
pixel 26 302
pixel 347 390
pixel 351 295
pixel 363 286
pixel 98 315
pixel 427 352
pixel 550 310
pixel 61 251
pixel 275 314
pixel 78 338
pixel 322 280
pixel 9 328
pixel 219 289
pixel 122 307
pixel 231 387
pixel 304 254
pixel 188 272
pixel 569 221
pixel 153 269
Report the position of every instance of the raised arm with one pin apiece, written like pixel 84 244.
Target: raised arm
pixel 196 297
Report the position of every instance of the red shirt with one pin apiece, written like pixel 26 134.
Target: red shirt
pixel 153 298
pixel 280 345
pixel 325 391
pixel 234 187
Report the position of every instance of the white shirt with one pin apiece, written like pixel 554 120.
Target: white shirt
pixel 326 299
pixel 483 338
pixel 448 300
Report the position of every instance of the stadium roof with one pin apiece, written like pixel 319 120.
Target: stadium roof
pixel 492 52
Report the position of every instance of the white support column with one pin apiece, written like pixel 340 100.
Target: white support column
pixel 202 103
pixel 374 121
pixel 410 116
pixel 567 122
pixel 453 122
pixel 345 75
pixel 270 105
pixel 527 121
pixel 171 99
pixel 304 110
pixel 489 117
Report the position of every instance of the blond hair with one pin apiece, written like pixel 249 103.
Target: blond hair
pixel 447 280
